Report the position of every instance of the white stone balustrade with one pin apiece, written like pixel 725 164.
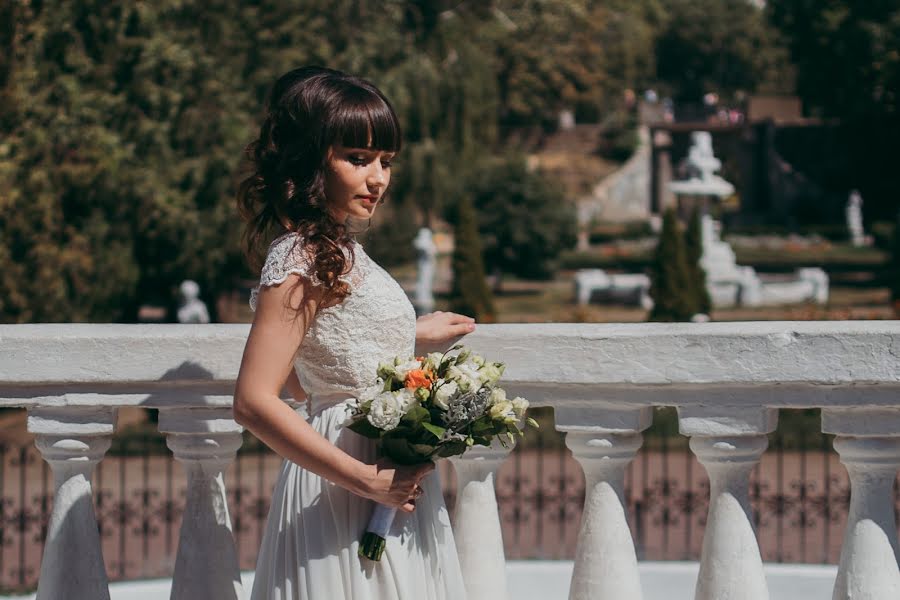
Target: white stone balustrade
pixel 205 440
pixel 729 442
pixel 476 523
pixel 604 440
pixel 72 441
pixel 727 380
pixel 868 442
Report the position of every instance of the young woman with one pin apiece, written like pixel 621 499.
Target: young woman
pixel 326 315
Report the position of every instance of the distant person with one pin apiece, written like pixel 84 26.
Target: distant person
pixel 326 315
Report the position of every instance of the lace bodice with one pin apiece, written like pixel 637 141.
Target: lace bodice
pixel 344 344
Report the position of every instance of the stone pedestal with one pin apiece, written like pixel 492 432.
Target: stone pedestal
pixel 72 441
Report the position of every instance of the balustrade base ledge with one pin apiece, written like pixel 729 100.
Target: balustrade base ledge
pixel 549 579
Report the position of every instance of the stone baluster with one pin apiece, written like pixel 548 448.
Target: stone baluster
pixel 604 441
pixel 205 440
pixel 72 440
pixel 476 523
pixel 728 443
pixel 868 441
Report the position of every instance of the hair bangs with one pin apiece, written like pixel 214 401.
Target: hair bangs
pixel 366 120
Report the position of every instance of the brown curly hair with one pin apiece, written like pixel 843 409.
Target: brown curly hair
pixel 309 110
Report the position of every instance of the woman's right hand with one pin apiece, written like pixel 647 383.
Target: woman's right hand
pixel 396 485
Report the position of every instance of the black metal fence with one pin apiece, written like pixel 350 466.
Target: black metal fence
pixel 799 494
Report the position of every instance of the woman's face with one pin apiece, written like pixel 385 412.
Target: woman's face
pixel 355 180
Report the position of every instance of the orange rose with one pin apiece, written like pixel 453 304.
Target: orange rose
pixel 418 378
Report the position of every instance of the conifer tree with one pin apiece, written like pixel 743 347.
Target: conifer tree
pixel 470 294
pixel 670 285
pixel 693 244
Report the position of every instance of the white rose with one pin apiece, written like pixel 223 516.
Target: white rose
pixel 370 392
pixel 386 370
pixel 403 368
pixel 520 405
pixel 497 395
pixel 433 360
pixel 405 400
pixel 466 375
pixel 503 410
pixel 490 373
pixel 443 394
pixel 478 361
pixel 384 412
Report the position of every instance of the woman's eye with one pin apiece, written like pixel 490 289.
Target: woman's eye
pixel 358 160
pixel 386 164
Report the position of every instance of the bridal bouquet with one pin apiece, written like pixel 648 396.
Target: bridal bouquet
pixel 430 407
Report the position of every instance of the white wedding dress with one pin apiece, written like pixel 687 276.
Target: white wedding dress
pixel 309 550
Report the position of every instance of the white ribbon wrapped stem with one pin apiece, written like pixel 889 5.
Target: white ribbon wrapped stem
pixel 382 518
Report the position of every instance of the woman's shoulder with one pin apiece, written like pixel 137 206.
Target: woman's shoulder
pixel 288 255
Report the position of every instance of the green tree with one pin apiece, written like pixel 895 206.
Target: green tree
pixel 723 46
pixel 523 219
pixel 470 294
pixel 628 39
pixel 117 160
pixel 845 53
pixel 549 57
pixel 848 69
pixel 123 124
pixel 670 286
pixel 693 246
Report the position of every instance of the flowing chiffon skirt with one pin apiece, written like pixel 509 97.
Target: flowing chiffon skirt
pixel 309 549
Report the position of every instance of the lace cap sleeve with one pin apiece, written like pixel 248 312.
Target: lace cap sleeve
pixel 287 256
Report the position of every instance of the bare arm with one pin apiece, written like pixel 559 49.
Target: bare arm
pixel 268 359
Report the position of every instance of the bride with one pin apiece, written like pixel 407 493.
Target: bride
pixel 326 315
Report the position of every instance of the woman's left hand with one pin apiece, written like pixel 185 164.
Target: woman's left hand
pixel 440 326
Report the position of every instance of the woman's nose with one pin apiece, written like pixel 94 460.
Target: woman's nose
pixel 376 175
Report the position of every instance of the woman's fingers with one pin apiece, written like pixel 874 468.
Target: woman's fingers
pixel 462 328
pixel 456 325
pixel 458 318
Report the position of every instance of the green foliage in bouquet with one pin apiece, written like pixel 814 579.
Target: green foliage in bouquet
pixel 438 406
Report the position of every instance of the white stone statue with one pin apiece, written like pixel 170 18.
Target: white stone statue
pixel 191 309
pixel 702 165
pixel 566 120
pixel 425 269
pixel 855 219
pixel 730 284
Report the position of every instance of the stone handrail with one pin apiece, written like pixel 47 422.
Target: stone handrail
pixel 727 381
